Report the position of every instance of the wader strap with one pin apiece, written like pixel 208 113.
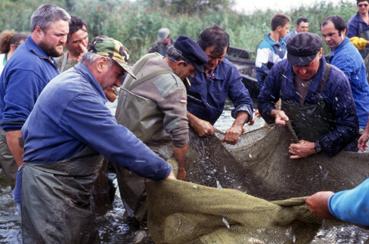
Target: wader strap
pixel 325 77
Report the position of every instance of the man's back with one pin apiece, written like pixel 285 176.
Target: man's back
pixel 157 101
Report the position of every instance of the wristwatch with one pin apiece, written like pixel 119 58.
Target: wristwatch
pixel 317 147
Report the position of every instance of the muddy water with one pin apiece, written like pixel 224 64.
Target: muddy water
pixel 113 230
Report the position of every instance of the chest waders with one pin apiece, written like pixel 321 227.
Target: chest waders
pixel 146 122
pixel 311 121
pixel 57 204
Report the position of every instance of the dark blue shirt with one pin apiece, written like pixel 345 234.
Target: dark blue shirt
pixel 207 94
pixel 70 114
pixel 23 78
pixel 336 94
pixel 356 26
pixel 348 59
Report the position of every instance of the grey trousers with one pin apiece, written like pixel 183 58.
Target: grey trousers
pixel 7 163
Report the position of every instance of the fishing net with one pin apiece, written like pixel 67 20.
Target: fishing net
pixel 259 172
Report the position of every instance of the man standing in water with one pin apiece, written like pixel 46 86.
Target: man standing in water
pixel 65 141
pixel 25 75
pixel 316 99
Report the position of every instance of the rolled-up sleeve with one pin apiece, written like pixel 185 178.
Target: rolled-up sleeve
pixel 239 95
pixel 92 123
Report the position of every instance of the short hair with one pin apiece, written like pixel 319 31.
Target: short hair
pixel 8 38
pixel 214 36
pixel 46 14
pixel 359 1
pixel 279 20
pixel 75 25
pixel 337 21
pixel 301 19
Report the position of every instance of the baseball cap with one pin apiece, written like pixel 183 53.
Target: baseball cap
pixel 109 47
pixel 303 48
pixel 191 52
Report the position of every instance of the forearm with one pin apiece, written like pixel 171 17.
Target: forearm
pixel 241 119
pixel 15 145
pixel 180 155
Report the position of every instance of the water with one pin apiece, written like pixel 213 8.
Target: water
pixel 113 230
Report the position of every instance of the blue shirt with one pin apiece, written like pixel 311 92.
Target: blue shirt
pixel 336 94
pixel 207 95
pixel 268 53
pixel 22 80
pixel 347 58
pixel 70 114
pixel 351 205
pixel 356 26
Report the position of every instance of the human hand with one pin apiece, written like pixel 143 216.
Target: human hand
pixel 361 144
pixel 233 134
pixel 318 204
pixel 171 176
pixel 280 117
pixel 301 149
pixel 181 174
pixel 203 128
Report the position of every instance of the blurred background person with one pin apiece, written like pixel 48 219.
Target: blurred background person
pixel 163 42
pixel 9 41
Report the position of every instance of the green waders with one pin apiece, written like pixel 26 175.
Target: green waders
pixel 57 205
pixel 133 187
pixel 7 162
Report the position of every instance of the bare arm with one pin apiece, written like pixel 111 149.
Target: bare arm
pixel 15 144
pixel 180 156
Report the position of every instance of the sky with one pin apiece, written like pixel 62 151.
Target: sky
pixel 248 6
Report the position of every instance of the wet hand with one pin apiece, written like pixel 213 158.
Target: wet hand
pixel 280 117
pixel 204 128
pixel 233 134
pixel 318 204
pixel 181 174
pixel 301 149
pixel 361 144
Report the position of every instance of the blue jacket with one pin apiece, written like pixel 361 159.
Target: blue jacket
pixel 207 95
pixel 70 114
pixel 23 78
pixel 347 58
pixel 356 26
pixel 351 205
pixel 268 53
pixel 336 94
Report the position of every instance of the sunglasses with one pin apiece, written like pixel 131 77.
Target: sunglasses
pixel 363 5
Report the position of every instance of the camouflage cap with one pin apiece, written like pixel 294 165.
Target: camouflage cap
pixel 109 47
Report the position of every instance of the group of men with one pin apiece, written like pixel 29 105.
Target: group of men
pixel 58 129
pixel 328 95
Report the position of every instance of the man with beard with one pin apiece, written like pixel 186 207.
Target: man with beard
pixel 25 75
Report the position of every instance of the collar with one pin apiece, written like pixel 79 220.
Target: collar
pixel 85 72
pixel 272 42
pixel 35 49
pixel 340 46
